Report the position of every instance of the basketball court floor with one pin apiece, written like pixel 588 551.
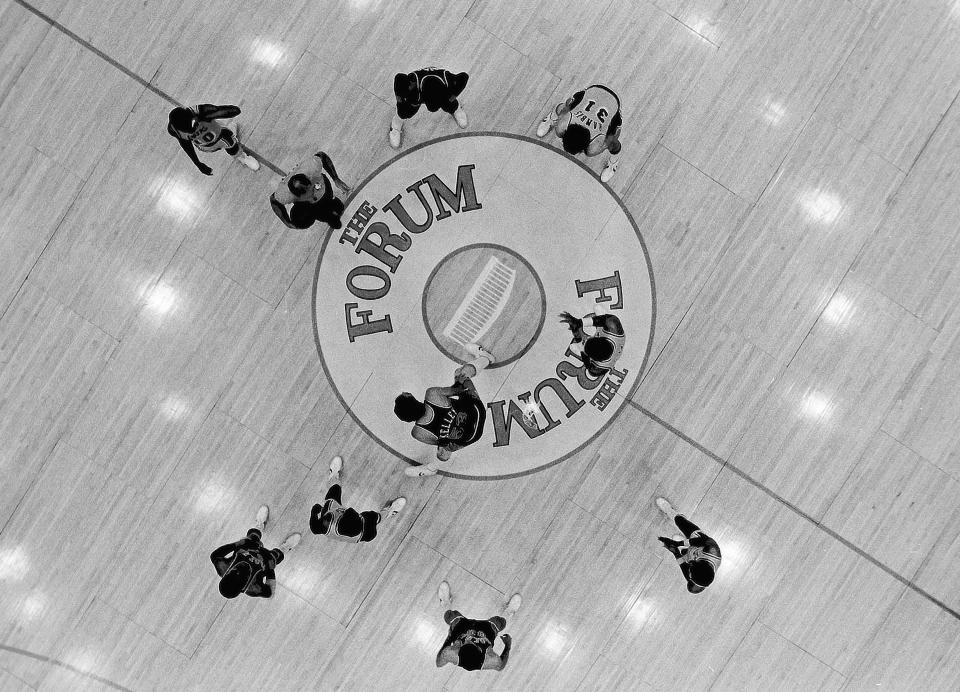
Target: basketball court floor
pixel 781 242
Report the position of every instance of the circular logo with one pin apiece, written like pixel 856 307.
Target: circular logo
pixel 484 238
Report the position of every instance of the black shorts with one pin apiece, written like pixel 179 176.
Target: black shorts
pixel 407 110
pixel 304 214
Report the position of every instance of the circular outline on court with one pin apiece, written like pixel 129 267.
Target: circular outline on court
pixel 624 398
pixel 524 262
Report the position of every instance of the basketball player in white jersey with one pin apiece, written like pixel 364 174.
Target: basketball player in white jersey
pixel 345 523
pixel 433 87
pixel 588 123
pixel 598 340
pixel 197 128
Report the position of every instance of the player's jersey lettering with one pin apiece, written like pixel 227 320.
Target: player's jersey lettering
pixel 595 110
pixel 206 135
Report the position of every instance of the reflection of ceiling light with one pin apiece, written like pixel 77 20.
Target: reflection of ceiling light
pixel 774 112
pixel 213 495
pixel 84 661
pixel 360 4
pixel 641 611
pixel 554 639
pixel 161 299
pixel 266 52
pixel 815 405
pixel 699 24
pixel 822 207
pixel 176 199
pixel 13 564
pixel 955 10
pixel 174 408
pixel 33 606
pixel 428 633
pixel 838 309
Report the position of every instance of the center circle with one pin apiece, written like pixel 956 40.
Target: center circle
pixel 484 293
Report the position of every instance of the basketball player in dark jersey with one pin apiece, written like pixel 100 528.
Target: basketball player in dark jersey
pixel 469 643
pixel 697 553
pixel 435 88
pixel 449 417
pixel 309 190
pixel 588 123
pixel 598 340
pixel 197 128
pixel 246 566
pixel 345 523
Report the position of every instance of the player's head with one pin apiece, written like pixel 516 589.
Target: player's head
pixel 597 350
pixel 298 184
pixel 183 120
pixel 433 93
pixel 235 580
pixel 470 657
pixel 701 576
pixel 576 139
pixel 407 407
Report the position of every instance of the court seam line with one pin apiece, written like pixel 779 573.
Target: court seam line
pixel 63 664
pixel 129 73
pixel 795 509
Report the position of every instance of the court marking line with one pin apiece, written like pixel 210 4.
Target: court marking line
pixel 63 664
pixel 795 509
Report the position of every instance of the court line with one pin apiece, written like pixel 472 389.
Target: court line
pixel 795 509
pixel 62 664
pixel 130 73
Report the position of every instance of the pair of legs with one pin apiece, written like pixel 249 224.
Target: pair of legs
pixel 498 622
pixel 256 533
pixel 231 142
pixel 305 214
pixel 405 112
pixel 335 493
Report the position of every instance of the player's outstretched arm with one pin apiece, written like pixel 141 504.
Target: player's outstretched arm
pixel 187 146
pixel 329 168
pixel 208 111
pixel 281 212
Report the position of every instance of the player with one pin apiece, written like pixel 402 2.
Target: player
pixel 698 555
pixel 589 123
pixel 246 566
pixel 469 643
pixel 598 340
pixel 344 523
pixel 449 417
pixel 197 128
pixel 310 192
pixel 435 88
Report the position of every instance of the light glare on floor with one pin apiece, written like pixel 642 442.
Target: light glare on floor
pixel 33 606
pixel 815 405
pixel 266 52
pixel 13 563
pixel 174 407
pixel 176 199
pixel 773 112
pixel 838 310
pixel 823 207
pixel 161 299
pixel 214 494
pixel 554 639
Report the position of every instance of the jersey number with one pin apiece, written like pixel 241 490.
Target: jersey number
pixel 601 113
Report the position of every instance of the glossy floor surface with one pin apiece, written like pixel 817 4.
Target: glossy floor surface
pixel 793 167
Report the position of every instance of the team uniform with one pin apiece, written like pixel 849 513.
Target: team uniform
pixel 697 550
pixel 460 424
pixel 596 109
pixel 251 551
pixel 469 642
pixel 341 523
pixel 209 135
pixel 318 203
pixel 607 338
pixel 444 87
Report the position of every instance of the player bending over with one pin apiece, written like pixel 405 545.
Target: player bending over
pixel 598 340
pixel 588 123
pixel 197 128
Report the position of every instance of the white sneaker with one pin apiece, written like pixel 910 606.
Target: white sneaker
pixel 460 116
pixel 664 506
pixel 443 455
pixel 419 471
pixel 290 542
pixel 443 591
pixel 336 466
pixel 395 136
pixel 545 125
pixel 262 515
pixel 513 605
pixel 249 162
pixel 393 507
pixel 608 171
pixel 478 351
